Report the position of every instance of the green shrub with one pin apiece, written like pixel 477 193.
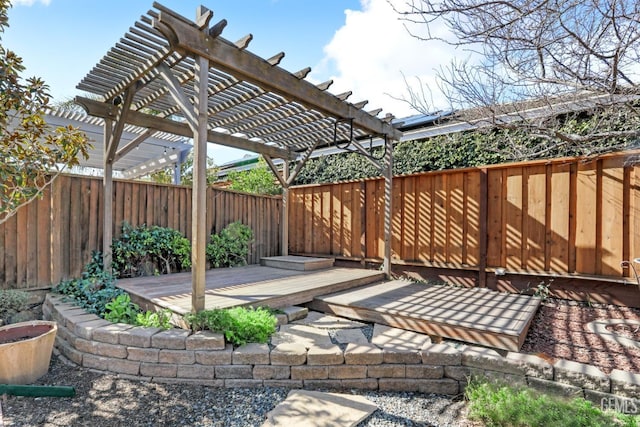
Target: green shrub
pixel 154 319
pixel 94 290
pixel 143 251
pixel 121 310
pixel 12 301
pixel 240 325
pixel 502 405
pixel 230 247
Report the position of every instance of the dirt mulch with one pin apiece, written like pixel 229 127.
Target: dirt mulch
pixel 559 331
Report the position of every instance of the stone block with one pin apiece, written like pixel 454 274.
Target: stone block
pixel 72 321
pixel 205 340
pixel 360 384
pixel 555 388
pixel 439 386
pixel 347 336
pixel 122 366
pixel 403 356
pixel 215 357
pixel 458 373
pixel 306 372
pixel 294 313
pixel 269 372
pixel 325 355
pixel 308 336
pixel 234 372
pixel 344 372
pixel 397 384
pixel 625 384
pixel 499 377
pixel 527 364
pixel 289 354
pixel 251 354
pixel 188 381
pixel 171 339
pixel 65 334
pixel 604 401
pixel 386 371
pixel 203 372
pixel 281 319
pixel 158 370
pixel 323 385
pixel 101 349
pixel 362 354
pixel 398 339
pixel 69 352
pixel 424 371
pixel 440 354
pixel 581 375
pixel 143 354
pixel 182 357
pixel 138 336
pixel 85 329
pixel 483 358
pixel 110 333
pixel 91 361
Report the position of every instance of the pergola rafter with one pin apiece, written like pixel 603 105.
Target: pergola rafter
pixel 169 74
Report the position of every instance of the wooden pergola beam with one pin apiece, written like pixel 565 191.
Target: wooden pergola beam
pixel 251 68
pixel 107 112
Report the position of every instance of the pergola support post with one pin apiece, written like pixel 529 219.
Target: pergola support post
pixel 107 194
pixel 285 209
pixel 388 208
pixel 199 194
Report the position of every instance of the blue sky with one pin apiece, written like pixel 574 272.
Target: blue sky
pixel 360 44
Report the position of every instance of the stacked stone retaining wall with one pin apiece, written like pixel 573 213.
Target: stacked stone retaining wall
pixel 180 356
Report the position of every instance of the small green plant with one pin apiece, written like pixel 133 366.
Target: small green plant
pixel 230 247
pixel 12 301
pixel 121 310
pixel 157 319
pixel 502 405
pixel 541 291
pixel 94 290
pixel 143 251
pixel 240 325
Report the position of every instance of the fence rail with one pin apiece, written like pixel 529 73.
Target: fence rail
pixel 52 238
pixel 566 216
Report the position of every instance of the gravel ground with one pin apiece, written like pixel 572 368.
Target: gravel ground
pixel 106 400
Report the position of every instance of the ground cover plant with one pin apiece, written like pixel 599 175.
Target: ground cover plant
pixel 12 301
pixel 240 325
pixel 501 405
pixel 96 292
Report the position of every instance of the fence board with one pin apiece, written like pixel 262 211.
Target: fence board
pixel 586 218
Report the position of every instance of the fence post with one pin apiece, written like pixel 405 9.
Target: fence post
pixel 484 204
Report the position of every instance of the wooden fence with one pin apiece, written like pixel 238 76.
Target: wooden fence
pixel 566 216
pixel 52 238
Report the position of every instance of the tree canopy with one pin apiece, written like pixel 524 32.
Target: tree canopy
pixel 566 71
pixel 33 154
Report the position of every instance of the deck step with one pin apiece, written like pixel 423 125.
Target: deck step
pixel 475 315
pixel 298 263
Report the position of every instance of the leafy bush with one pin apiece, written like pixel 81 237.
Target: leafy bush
pixel 94 290
pixel 154 319
pixel 121 310
pixel 502 405
pixel 230 247
pixel 12 301
pixel 143 251
pixel 240 325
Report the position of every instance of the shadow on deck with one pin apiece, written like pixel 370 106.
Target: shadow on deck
pixel 478 316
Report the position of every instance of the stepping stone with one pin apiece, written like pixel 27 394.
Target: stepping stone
pixel 304 408
pixel 323 321
pixel 347 336
pixel 303 334
pixel 400 339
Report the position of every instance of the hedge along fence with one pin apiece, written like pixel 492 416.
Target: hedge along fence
pixel 564 216
pixel 52 238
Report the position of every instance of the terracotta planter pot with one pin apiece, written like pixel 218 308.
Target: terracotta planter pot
pixel 25 351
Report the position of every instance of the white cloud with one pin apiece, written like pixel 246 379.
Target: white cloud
pixel 29 2
pixel 372 51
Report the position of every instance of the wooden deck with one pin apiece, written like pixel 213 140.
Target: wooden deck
pixel 475 315
pixel 243 286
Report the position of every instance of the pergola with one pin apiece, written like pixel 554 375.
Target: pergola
pixel 169 74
